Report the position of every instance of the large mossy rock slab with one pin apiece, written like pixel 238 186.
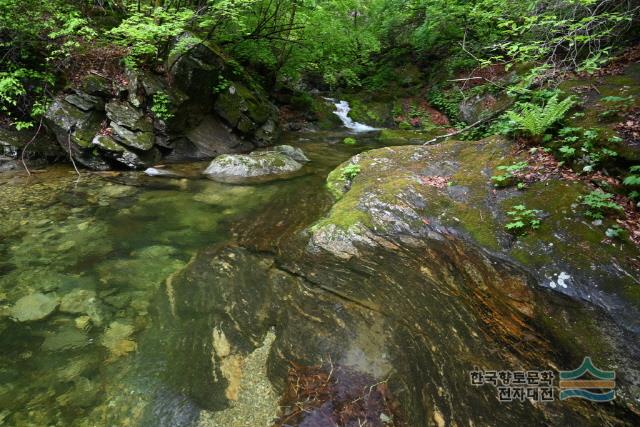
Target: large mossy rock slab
pixel 238 168
pixel 394 199
pixel 418 319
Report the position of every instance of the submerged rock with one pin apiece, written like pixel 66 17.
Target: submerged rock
pixel 117 338
pixel 67 338
pixel 83 301
pixel 34 307
pixel 236 168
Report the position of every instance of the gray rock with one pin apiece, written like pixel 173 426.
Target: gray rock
pixel 85 101
pixel 160 172
pixel 62 117
pixel 241 167
pixel 34 307
pixel 125 115
pixel 294 152
pixel 107 143
pixel 83 301
pixel 117 153
pixel 67 338
pixel 481 106
pixel 133 139
pixel 212 138
pixel 96 85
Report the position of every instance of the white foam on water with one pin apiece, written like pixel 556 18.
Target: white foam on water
pixel 342 111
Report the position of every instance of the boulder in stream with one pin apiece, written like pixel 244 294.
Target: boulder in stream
pixel 265 165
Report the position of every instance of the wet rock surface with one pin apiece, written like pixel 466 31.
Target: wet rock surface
pixel 34 307
pixel 394 201
pixel 188 302
pixel 238 168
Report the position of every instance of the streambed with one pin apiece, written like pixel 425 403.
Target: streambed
pixel 184 302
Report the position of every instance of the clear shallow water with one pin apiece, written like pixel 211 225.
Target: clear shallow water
pixel 100 249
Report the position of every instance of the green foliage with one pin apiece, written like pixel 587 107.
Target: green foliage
pixel 349 172
pixel 599 204
pixel 161 106
pixel 615 105
pixel 633 181
pixel 349 141
pixel 536 119
pixel 221 85
pixel 508 177
pixel 446 101
pixel 577 34
pixel 147 34
pixel 614 232
pixel 523 219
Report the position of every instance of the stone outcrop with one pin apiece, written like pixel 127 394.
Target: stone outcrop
pixel 409 194
pixel 210 106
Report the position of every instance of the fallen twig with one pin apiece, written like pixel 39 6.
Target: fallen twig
pixel 70 154
pixel 24 150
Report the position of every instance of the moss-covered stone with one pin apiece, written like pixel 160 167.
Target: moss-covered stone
pixel 393 196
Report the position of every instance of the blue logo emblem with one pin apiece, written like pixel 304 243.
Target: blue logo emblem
pixel 603 383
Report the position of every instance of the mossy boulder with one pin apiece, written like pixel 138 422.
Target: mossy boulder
pixel 75 130
pixel 213 81
pixel 400 194
pixel 262 165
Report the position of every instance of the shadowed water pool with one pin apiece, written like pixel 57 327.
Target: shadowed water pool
pixel 82 264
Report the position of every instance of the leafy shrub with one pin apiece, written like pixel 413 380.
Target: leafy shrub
pixel 633 180
pixel 350 172
pixel 615 105
pixel 161 107
pixel 349 141
pixel 599 204
pixel 523 219
pixel 147 34
pixel 507 178
pixel 536 119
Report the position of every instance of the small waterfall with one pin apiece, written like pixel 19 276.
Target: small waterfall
pixel 342 111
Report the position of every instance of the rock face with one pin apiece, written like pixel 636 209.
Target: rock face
pixel 482 106
pixel 378 322
pixel 212 107
pixel 41 150
pixel 405 194
pixel 237 168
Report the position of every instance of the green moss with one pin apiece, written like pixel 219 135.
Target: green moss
pixel 336 183
pixel 577 337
